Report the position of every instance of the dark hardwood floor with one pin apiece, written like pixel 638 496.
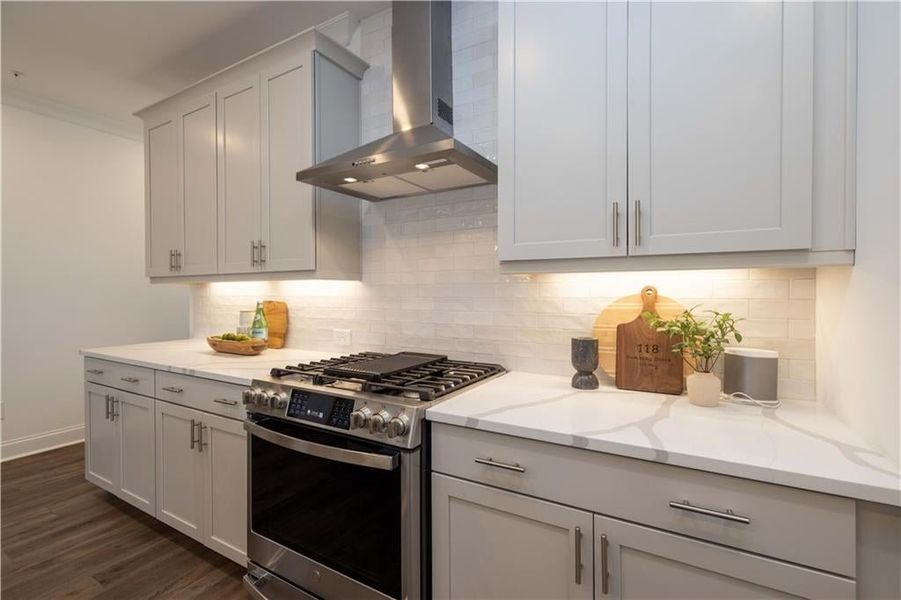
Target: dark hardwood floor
pixel 62 537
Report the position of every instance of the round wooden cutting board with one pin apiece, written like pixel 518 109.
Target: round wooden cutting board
pixel 624 310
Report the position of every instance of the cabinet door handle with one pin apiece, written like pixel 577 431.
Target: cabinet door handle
pixel 605 574
pixel 129 379
pixel 193 425
pixel 200 443
pixel 638 222
pixel 108 409
pixel 490 462
pixel 615 224
pixel 253 253
pixel 578 553
pixel 225 401
pixel 95 371
pixel 262 253
pixel 174 390
pixel 728 515
pixel 178 260
pixel 115 414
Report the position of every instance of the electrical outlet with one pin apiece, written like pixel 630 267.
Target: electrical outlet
pixel 341 336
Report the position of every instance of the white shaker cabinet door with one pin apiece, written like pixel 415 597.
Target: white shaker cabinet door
pixel 163 200
pixel 197 185
pixel 720 126
pixel 225 486
pixel 492 545
pixel 101 465
pixel 561 129
pixel 289 226
pixel 633 562
pixel 179 467
pixel 134 417
pixel 238 114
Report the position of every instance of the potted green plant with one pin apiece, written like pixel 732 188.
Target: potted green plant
pixel 701 345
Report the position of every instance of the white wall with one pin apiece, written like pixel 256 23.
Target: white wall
pixel 858 308
pixel 72 271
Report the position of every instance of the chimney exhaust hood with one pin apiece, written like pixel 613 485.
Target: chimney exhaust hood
pixel 421 156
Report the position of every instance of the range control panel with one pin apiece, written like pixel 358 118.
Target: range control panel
pixel 317 408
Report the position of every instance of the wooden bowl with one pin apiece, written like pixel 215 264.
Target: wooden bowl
pixel 249 348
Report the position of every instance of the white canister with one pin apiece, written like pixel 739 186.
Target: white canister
pixel 751 371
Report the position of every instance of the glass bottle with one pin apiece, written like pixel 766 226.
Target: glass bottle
pixel 259 330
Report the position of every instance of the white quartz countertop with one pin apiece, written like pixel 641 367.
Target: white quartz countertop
pixel 196 358
pixel 798 445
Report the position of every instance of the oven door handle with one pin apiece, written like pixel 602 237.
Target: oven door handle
pixel 384 462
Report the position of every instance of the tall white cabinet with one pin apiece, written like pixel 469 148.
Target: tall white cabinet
pixel 221 162
pixel 675 134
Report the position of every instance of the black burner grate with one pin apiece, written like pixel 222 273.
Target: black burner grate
pixel 425 382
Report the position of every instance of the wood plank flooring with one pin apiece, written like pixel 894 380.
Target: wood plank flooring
pixel 62 537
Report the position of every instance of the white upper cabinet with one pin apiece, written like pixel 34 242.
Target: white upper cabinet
pixel 647 135
pixel 720 126
pixel 222 158
pixel 562 130
pixel 239 175
pixel 197 184
pixel 289 240
pixel 163 200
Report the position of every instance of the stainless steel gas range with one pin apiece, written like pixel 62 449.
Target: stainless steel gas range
pixel 336 474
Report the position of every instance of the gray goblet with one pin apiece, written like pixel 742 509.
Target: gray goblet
pixel 585 361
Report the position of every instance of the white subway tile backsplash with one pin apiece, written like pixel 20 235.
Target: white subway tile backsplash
pixel 431 280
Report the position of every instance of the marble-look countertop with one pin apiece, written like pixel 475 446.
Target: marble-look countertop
pixel 798 445
pixel 196 358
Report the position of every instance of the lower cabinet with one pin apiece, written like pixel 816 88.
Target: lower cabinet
pixel 636 562
pixel 119 444
pixel 202 477
pixel 492 544
pixel 489 543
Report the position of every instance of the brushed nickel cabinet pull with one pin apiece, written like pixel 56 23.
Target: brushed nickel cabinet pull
pixel 174 390
pixel 615 224
pixel 578 553
pixel 108 409
pixel 95 371
pixel 129 379
pixel 178 260
pixel 728 515
pixel 638 222
pixel 225 401
pixel 262 253
pixel 193 425
pixel 253 253
pixel 115 408
pixel 490 462
pixel 171 259
pixel 200 443
pixel 605 574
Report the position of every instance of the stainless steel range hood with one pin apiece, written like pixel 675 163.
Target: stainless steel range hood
pixel 421 156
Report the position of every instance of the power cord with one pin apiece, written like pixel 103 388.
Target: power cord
pixel 743 398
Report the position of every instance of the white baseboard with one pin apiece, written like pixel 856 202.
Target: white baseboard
pixel 41 442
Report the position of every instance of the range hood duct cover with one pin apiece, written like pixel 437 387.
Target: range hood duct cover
pixel 421 156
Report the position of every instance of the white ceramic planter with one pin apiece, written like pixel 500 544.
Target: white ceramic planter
pixel 703 389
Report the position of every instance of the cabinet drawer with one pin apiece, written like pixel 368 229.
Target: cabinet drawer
pixel 138 380
pixel 203 394
pixel 807 528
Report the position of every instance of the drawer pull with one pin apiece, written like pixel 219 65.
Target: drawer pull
pixel 95 371
pixel 605 574
pixel 225 401
pixel 578 553
pixel 129 379
pixel 490 462
pixel 728 515
pixel 174 390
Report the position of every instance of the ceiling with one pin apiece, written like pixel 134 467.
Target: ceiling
pixel 110 59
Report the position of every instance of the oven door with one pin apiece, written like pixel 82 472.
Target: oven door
pixel 337 516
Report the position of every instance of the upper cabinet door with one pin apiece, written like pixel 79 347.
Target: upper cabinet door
pixel 239 175
pixel 289 226
pixel 720 126
pixel 197 184
pixel 164 211
pixel 562 129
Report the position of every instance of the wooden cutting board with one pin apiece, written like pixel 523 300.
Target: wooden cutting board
pixel 626 310
pixel 277 317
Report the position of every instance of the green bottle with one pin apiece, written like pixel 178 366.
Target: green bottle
pixel 259 330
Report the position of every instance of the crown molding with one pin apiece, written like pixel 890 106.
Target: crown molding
pixel 71 114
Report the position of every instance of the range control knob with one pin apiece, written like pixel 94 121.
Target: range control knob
pixel 398 425
pixel 259 397
pixel 277 400
pixel 360 418
pixel 379 422
pixel 247 396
